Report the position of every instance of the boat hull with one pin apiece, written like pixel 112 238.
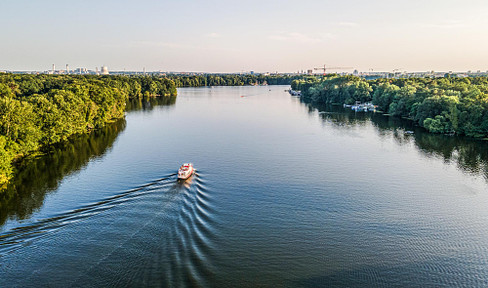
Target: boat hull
pixel 186 175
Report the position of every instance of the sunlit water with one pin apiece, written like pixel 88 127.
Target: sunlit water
pixel 284 195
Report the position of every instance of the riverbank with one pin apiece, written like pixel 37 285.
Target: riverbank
pixel 38 111
pixel 447 105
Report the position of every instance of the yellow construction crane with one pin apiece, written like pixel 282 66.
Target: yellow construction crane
pixel 325 68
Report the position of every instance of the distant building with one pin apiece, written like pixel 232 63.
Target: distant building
pixel 53 70
pixel 80 71
pixel 104 70
pixel 309 71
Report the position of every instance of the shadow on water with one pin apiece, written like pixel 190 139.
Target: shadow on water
pixel 148 103
pixel 38 176
pixel 470 155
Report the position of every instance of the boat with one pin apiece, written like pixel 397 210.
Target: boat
pixel 185 171
pixel 365 107
pixel 294 92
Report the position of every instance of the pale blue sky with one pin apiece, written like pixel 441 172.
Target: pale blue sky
pixel 234 36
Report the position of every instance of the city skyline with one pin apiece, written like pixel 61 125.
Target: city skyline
pixel 104 70
pixel 262 36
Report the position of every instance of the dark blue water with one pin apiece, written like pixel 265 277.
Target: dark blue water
pixel 284 195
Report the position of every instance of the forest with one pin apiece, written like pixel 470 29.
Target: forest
pixel 37 111
pixel 232 79
pixel 447 105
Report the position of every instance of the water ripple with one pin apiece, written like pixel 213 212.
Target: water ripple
pixel 165 227
pixel 21 236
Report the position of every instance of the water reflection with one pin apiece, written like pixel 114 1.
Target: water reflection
pixel 148 103
pixel 38 176
pixel 470 155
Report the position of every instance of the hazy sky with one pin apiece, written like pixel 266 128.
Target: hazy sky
pixel 234 36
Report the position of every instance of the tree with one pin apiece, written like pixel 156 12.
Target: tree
pixel 436 125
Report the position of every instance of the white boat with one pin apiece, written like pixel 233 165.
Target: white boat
pixel 185 171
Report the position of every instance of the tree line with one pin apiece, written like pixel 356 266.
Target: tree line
pixel 450 105
pixel 37 111
pixel 232 79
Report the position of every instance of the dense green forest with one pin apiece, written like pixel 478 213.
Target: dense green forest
pixel 448 105
pixel 37 111
pixel 232 79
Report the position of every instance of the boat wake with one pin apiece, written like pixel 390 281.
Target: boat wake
pixel 159 234
pixel 23 235
pixel 192 237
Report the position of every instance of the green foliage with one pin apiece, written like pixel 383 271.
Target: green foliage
pixel 5 161
pixel 441 105
pixel 335 89
pixel 384 95
pixel 233 80
pixel 41 110
pixel 436 125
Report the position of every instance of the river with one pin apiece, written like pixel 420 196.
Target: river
pixel 285 195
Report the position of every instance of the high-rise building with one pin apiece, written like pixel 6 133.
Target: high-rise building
pixel 104 70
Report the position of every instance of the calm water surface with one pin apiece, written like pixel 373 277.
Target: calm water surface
pixel 284 195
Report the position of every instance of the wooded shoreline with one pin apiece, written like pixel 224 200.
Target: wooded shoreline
pixel 447 105
pixel 38 111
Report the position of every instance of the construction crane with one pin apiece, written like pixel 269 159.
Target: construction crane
pixel 325 68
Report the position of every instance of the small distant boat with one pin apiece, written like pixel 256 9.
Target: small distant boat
pixel 365 107
pixel 294 93
pixel 185 171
